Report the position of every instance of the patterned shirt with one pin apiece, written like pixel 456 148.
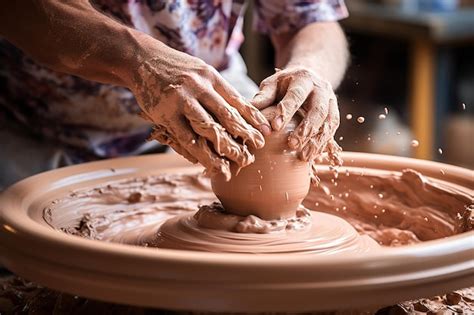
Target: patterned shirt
pixel 97 120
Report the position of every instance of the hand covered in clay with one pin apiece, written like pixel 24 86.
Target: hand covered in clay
pixel 197 113
pixel 300 89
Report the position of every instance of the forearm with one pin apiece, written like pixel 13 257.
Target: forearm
pixel 73 37
pixel 321 47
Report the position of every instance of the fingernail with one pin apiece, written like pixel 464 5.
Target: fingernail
pixel 278 123
pixel 265 129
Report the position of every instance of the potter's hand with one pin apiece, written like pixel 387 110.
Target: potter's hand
pixel 197 113
pixel 297 88
pixel 188 100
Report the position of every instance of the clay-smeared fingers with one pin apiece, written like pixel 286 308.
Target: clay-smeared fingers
pixel 163 137
pixel 204 125
pixel 313 120
pixel 309 151
pixel 250 113
pixel 296 94
pixel 316 145
pixel 324 139
pixel 231 120
pixel 267 94
pixel 215 165
pixel 199 148
pixel 333 116
pixel 333 149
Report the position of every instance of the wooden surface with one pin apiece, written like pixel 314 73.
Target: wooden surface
pixel 422 103
pixel 439 27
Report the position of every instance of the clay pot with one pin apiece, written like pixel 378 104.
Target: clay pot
pixel 273 186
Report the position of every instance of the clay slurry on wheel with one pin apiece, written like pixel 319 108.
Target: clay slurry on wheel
pixel 393 208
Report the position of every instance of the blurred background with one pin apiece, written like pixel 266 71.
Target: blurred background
pixel 411 77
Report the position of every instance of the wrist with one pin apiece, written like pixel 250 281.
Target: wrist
pixel 137 51
pixel 147 50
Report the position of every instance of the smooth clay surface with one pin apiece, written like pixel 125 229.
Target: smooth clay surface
pixel 273 186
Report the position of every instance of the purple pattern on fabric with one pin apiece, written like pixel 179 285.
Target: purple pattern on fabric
pixel 276 17
pixel 115 9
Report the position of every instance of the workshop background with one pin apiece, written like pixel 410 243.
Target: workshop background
pixel 413 57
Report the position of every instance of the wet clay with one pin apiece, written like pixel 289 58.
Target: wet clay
pixel 273 186
pixel 393 208
pixel 215 217
pixel 315 233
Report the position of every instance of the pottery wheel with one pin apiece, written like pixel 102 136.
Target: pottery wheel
pixel 102 266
